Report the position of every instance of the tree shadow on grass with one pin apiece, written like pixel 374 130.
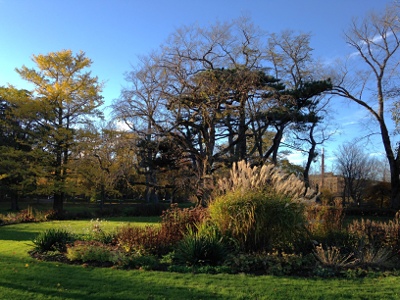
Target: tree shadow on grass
pixel 13 234
pixel 50 280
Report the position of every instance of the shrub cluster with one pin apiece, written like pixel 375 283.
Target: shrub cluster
pixel 253 228
pixel 26 216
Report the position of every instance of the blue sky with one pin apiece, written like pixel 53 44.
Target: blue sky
pixel 114 32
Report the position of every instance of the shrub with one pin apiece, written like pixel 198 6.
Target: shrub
pixel 139 240
pixel 332 257
pixel 273 263
pixel 322 219
pixel 258 220
pixel 52 240
pixel 175 221
pixel 202 247
pixel 26 216
pixel 160 240
pixel 372 257
pixel 378 234
pixel 93 251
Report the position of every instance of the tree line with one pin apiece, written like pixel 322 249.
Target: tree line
pixel 205 99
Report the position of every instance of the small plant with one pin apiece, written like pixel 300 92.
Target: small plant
pixel 370 256
pixel 331 257
pixel 96 233
pixel 52 240
pixel 203 246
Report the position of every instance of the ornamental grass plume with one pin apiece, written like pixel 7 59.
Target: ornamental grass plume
pixel 244 177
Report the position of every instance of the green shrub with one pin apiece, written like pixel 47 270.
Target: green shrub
pixel 258 220
pixel 93 251
pixel 52 240
pixel 203 246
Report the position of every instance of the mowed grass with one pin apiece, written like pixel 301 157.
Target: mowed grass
pixel 22 277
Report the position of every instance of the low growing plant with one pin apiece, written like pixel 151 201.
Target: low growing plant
pixel 95 232
pixel 52 240
pixel 204 246
pixel 332 257
pixel 93 251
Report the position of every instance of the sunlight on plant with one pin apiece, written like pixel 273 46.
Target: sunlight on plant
pixel 244 177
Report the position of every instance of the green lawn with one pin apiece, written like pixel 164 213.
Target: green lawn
pixel 22 277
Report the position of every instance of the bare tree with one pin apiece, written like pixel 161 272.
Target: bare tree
pixel 356 168
pixel 376 42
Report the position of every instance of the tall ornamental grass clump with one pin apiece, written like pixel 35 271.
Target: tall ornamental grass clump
pixel 259 207
pixel 258 220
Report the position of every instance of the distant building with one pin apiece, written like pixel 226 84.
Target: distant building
pixel 328 181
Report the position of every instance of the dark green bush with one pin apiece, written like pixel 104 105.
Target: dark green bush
pixel 201 247
pixel 52 240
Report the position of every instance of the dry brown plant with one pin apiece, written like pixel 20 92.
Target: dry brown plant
pixel 332 257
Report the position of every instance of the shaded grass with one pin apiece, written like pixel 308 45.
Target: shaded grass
pixel 22 277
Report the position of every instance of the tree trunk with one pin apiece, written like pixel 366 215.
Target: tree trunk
pixel 58 202
pixel 14 201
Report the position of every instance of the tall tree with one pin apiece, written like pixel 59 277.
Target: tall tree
pixel 290 54
pixel 66 96
pixel 16 145
pixel 376 42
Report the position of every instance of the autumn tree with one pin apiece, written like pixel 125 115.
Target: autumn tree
pixel 66 96
pixel 103 162
pixel 376 43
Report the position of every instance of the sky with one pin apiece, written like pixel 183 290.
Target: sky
pixel 113 33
